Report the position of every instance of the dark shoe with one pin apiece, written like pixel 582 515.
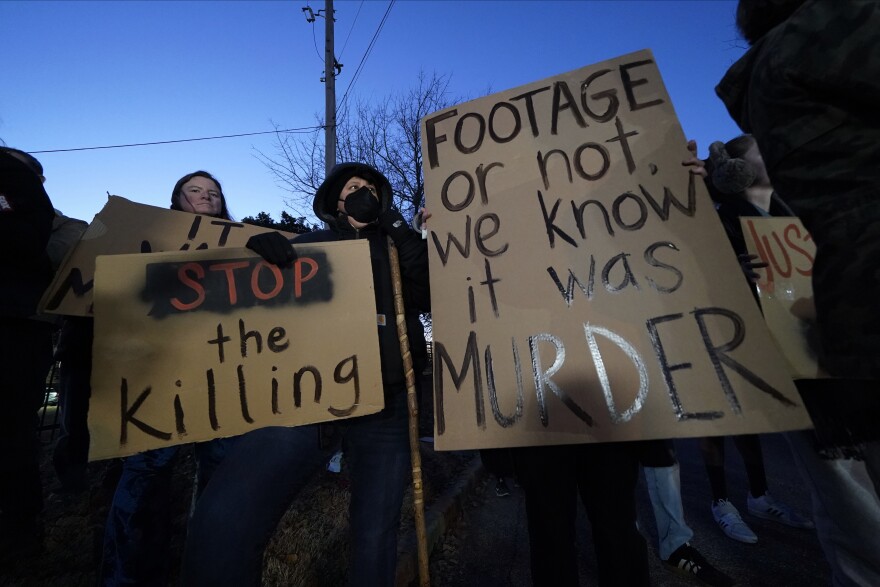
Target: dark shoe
pixel 686 560
pixel 501 489
pixel 770 509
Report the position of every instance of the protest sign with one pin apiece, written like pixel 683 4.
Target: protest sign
pixel 582 286
pixel 786 287
pixel 205 344
pixel 123 227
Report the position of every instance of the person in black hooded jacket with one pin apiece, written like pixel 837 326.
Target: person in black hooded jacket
pixel 368 194
pixel 740 187
pixel 239 510
pixel 25 349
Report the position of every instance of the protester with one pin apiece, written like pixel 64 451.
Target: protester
pixel 807 90
pixel 25 349
pixel 739 184
pixel 65 231
pixel 663 481
pixel 137 533
pixel 674 536
pixel 253 487
pixel 71 450
pixel 760 502
pixel 74 352
pixel 69 458
pixel 605 476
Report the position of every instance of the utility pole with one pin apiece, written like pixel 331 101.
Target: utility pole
pixel 331 69
pixel 330 66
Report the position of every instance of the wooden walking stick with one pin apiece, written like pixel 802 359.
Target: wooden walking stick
pixel 413 405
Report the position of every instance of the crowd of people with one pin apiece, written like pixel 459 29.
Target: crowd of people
pixel 804 94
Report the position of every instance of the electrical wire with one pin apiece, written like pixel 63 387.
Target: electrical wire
pixel 314 39
pixel 290 130
pixel 315 43
pixel 364 58
pixel 353 22
pixel 244 134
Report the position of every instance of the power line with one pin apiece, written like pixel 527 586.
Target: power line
pixel 245 134
pixel 315 43
pixel 353 22
pixel 366 55
pixel 369 49
pixel 310 18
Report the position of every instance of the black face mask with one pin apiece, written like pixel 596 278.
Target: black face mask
pixel 362 205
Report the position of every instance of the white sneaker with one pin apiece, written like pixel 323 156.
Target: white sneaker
pixel 768 508
pixel 731 523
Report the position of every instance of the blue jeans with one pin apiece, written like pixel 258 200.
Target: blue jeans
pixel 664 489
pixel 377 450
pixel 237 514
pixel 137 533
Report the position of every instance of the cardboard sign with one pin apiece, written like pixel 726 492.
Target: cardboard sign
pixel 125 227
pixel 786 287
pixel 206 344
pixel 583 288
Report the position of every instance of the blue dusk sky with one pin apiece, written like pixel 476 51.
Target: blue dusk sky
pixel 90 74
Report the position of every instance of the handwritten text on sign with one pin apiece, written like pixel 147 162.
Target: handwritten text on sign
pixel 786 287
pixel 206 344
pixel 124 227
pixel 589 292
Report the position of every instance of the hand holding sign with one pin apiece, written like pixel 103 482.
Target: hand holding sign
pixel 749 264
pixel 123 227
pixel 694 164
pixel 273 247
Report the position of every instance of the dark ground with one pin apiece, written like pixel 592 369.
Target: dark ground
pixel 487 547
pixel 309 548
pixel 490 545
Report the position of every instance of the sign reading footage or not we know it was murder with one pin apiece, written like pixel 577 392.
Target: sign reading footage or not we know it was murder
pixel 205 344
pixel 122 226
pixel 786 287
pixel 589 292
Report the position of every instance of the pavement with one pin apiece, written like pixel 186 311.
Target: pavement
pixel 479 539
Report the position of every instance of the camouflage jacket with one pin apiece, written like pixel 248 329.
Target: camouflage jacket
pixel 809 92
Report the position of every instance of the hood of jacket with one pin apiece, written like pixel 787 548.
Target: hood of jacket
pixel 328 192
pixel 733 89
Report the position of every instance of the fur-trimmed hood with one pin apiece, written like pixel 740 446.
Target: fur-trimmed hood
pixel 324 205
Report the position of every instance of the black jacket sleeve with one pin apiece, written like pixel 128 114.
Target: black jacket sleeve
pixel 26 212
pixel 413 253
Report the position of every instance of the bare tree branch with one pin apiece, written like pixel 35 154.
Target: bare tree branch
pixel 384 134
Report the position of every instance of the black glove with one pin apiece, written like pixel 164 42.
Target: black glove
pixel 391 222
pixel 273 247
pixel 362 205
pixel 749 264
